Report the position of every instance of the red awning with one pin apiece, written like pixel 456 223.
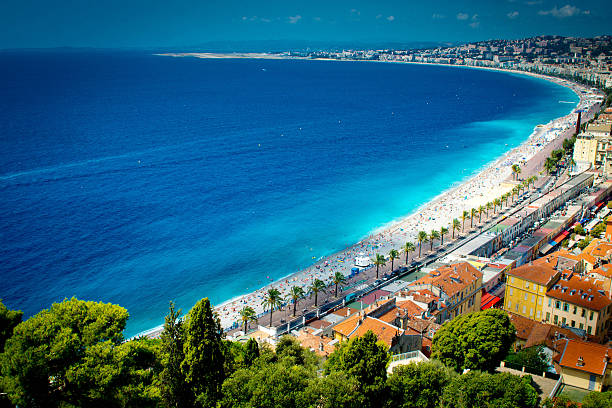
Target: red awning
pixel 488 300
pixel 561 236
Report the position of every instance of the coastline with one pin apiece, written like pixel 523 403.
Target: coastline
pixel 483 185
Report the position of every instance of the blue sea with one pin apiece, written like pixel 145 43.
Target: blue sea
pixel 138 179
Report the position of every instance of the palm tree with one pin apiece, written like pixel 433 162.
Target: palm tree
pixel 421 237
pixel 316 287
pixel 338 278
pixel 505 197
pixel 480 211
pixel 514 168
pixel 496 202
pixel 393 255
pixel 247 315
pixel 488 206
pixel 296 293
pixel 272 300
pixel 455 226
pixel 572 163
pixel 501 201
pixel 408 247
pixel 379 261
pixel 443 231
pixel 550 165
pixel 533 179
pixel 464 217
pixel 473 213
pixel 433 235
pixel 514 192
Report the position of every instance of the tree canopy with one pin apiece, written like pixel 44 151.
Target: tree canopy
pixel 502 390
pixel 418 385
pixel 477 341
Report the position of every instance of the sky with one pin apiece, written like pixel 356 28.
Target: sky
pixel 184 23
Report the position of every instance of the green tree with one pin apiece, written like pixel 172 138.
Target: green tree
pixel 455 225
pixel 550 165
pixel 476 341
pixel 597 399
pixel 296 293
pixel 433 235
pixel 316 287
pixel 338 279
pixel 204 361
pixel 289 348
pixel 421 237
pixel 496 203
pixel 418 385
pixel 393 255
pixel 532 357
pixel 481 209
pixel 409 247
pixel 488 206
pixel 51 357
pixel 559 402
pixel 379 261
pixel 272 300
pixel 443 231
pixel 473 213
pixel 503 390
pixel 278 384
pixel 335 390
pixel 173 387
pixel 464 216
pixel 247 314
pixel 251 352
pixel 516 170
pixel 364 359
pixel 9 319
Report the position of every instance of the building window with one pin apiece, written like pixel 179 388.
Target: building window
pixel 557 304
pixel 581 326
pixel 589 329
pixel 539 301
pixel 549 302
pixel 525 296
pixel 531 311
pixel 526 285
pixel 511 291
pixel 524 309
pixel 541 289
pixel 516 307
pixel 547 316
pixel 573 323
pixel 533 298
pixel 538 314
pixel 512 279
pixel 575 309
pixel 509 307
pixel 556 319
pixel 582 314
pixel 563 320
pixel 565 307
pixel 591 316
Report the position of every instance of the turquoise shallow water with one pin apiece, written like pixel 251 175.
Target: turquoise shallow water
pixel 139 179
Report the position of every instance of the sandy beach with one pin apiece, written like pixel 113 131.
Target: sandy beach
pixel 489 183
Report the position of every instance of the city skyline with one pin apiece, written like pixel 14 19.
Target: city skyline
pixel 188 23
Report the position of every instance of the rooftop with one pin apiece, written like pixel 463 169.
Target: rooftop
pixel 581 291
pixel 451 279
pixel 584 356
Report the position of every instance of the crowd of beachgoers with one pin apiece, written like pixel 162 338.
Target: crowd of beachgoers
pixel 481 188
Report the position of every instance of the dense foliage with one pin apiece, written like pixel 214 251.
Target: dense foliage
pixel 74 355
pixel 476 341
pixel 532 357
pixel 476 389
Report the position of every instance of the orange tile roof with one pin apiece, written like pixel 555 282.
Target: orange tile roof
pixel 408 307
pixel 316 343
pixel 345 311
pixel 540 272
pixel 581 291
pixel 594 357
pixel 604 270
pixel 535 333
pixel 385 332
pixel 598 248
pixel 451 278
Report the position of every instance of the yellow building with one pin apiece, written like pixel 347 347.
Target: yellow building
pixel 583 364
pixel 459 287
pixel 579 302
pixel 585 149
pixel 526 287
